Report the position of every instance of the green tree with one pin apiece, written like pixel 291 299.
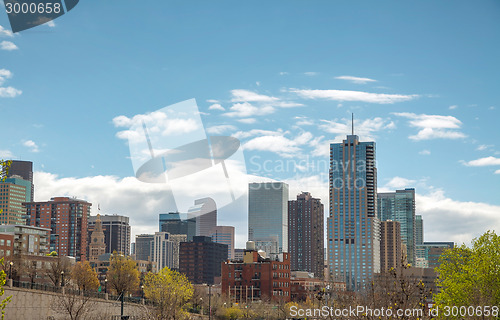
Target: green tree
pixel 170 290
pixel 123 276
pixel 4 171
pixel 470 276
pixel 84 276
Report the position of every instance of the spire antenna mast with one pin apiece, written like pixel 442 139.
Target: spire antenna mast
pixel 352 123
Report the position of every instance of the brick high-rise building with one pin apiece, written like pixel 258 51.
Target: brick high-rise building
pixel 391 251
pixel 306 235
pixel 68 220
pixel 257 277
pixel 116 230
pixel 200 260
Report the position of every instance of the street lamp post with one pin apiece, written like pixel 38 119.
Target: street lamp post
pixel 62 278
pixel 10 269
pixel 209 302
pixel 105 285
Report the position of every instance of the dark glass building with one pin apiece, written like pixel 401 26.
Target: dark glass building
pixel 200 260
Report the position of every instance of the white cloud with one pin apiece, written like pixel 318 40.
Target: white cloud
pixel 433 126
pixel 399 183
pixel 425 152
pixel 8 46
pixel 6 154
pixel 356 80
pixel 216 106
pixel 366 129
pixel 283 73
pixel 492 108
pixel 453 107
pixel 245 110
pixel 446 219
pixel 482 162
pixel 275 141
pixel 241 95
pixel 347 95
pixel 247 120
pixel 483 147
pixel 213 101
pixel 311 73
pixel 51 24
pixel 9 92
pixel 4 74
pixel 497 172
pixel 31 145
pixel 5 33
pixel 220 129
pixel 304 121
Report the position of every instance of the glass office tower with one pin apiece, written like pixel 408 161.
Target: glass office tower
pixel 353 226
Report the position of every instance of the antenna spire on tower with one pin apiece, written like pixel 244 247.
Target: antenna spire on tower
pixel 352 123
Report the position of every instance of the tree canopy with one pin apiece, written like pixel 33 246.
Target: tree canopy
pixel 84 276
pixel 471 276
pixel 170 290
pixel 122 275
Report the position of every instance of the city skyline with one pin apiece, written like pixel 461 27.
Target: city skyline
pixel 284 87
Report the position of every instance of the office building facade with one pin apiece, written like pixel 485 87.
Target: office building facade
pixel 391 251
pixel 67 218
pixel 306 235
pixel 165 250
pixel 224 235
pixel 143 247
pixel 178 223
pixel 400 206
pixel 14 192
pixel 200 260
pixel 116 230
pixel 353 227
pixel 205 213
pixel 268 216
pixel 24 170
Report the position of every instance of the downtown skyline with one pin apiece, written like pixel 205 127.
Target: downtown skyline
pixel 419 79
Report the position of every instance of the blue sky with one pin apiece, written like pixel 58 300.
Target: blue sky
pixel 283 77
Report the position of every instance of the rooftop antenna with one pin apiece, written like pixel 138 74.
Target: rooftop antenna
pixel 352 123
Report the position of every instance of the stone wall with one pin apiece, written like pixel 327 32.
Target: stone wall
pixel 42 305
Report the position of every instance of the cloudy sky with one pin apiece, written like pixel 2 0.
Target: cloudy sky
pixel 283 77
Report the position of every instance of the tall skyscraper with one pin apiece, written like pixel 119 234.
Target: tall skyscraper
pixel 178 223
pixel 353 227
pixel 23 169
pixel 143 245
pixel 419 230
pixel 268 216
pixel 390 245
pixel 14 191
pixel 97 245
pixel 224 235
pixel 205 211
pixel 305 234
pixel 116 232
pixel 68 220
pixel 400 206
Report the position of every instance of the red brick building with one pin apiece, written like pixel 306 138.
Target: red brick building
pixel 68 219
pixel 257 278
pixel 6 246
